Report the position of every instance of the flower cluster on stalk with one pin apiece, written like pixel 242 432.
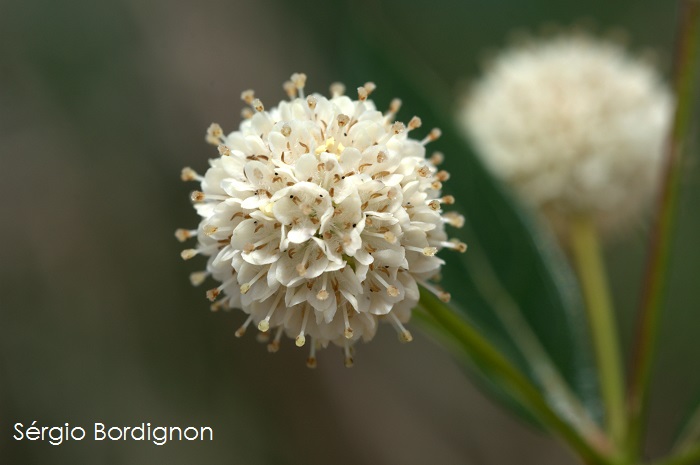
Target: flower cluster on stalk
pixel 320 217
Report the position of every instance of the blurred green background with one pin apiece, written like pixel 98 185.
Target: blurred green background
pixel 102 103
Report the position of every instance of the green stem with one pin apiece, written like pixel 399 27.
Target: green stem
pixel 653 289
pixel 591 271
pixel 556 390
pixel 478 347
pixel 687 456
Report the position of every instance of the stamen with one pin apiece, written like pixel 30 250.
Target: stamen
pixel 398 127
pixel 301 340
pixel 437 292
pixel 442 175
pixel 299 80
pixel 241 331
pixel 348 330
pixel 437 158
pixel 453 219
pixel 337 89
pixel 214 134
pixel 224 151
pixel 342 120
pixel 394 108
pixel 209 229
pixel 370 87
pixel 286 130
pixel 423 171
pixel 188 253
pixel 246 286
pixel 188 174
pixel 427 251
pixel 348 357
pixel 392 290
pixel 199 196
pixel 362 94
pixel 258 105
pixel 264 324
pixel 248 96
pixel 247 113
pixel 448 200
pixel 183 234
pixel 274 346
pixel 198 277
pixel 414 123
pixel 404 334
pixel 290 89
pixel 311 101
pixel 434 135
pixel 311 361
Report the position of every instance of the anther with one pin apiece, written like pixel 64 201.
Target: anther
pixel 381 157
pixel 393 291
pixel 423 171
pixel 209 229
pixel 214 134
pixel 370 87
pixel 212 294
pixel 257 104
pixel 197 196
pixel 248 96
pixel 343 120
pixel 453 219
pixel 241 331
pixel 311 101
pixel 274 346
pixel 184 234
pixel 398 127
pixel 348 357
pixel 290 89
pixel 299 80
pixel 337 89
pixel 247 113
pixel 362 94
pixel 395 105
pixel 286 130
pixel 188 174
pixel 434 135
pixel 437 158
pixel 224 151
pixel 198 277
pixel 448 200
pixel 414 123
pixel 442 175
pixel 403 333
pixel 188 253
pixel 322 294
pixel 429 251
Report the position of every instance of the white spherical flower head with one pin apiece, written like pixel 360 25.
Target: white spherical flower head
pixel 320 217
pixel 574 124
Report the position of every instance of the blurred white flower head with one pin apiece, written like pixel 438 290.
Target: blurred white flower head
pixel 320 217
pixel 575 124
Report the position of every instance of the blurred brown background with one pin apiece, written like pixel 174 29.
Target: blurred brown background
pixel 102 103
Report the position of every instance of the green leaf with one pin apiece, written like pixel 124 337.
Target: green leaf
pixel 689 431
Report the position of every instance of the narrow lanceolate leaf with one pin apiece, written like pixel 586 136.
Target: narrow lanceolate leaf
pixel 513 283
